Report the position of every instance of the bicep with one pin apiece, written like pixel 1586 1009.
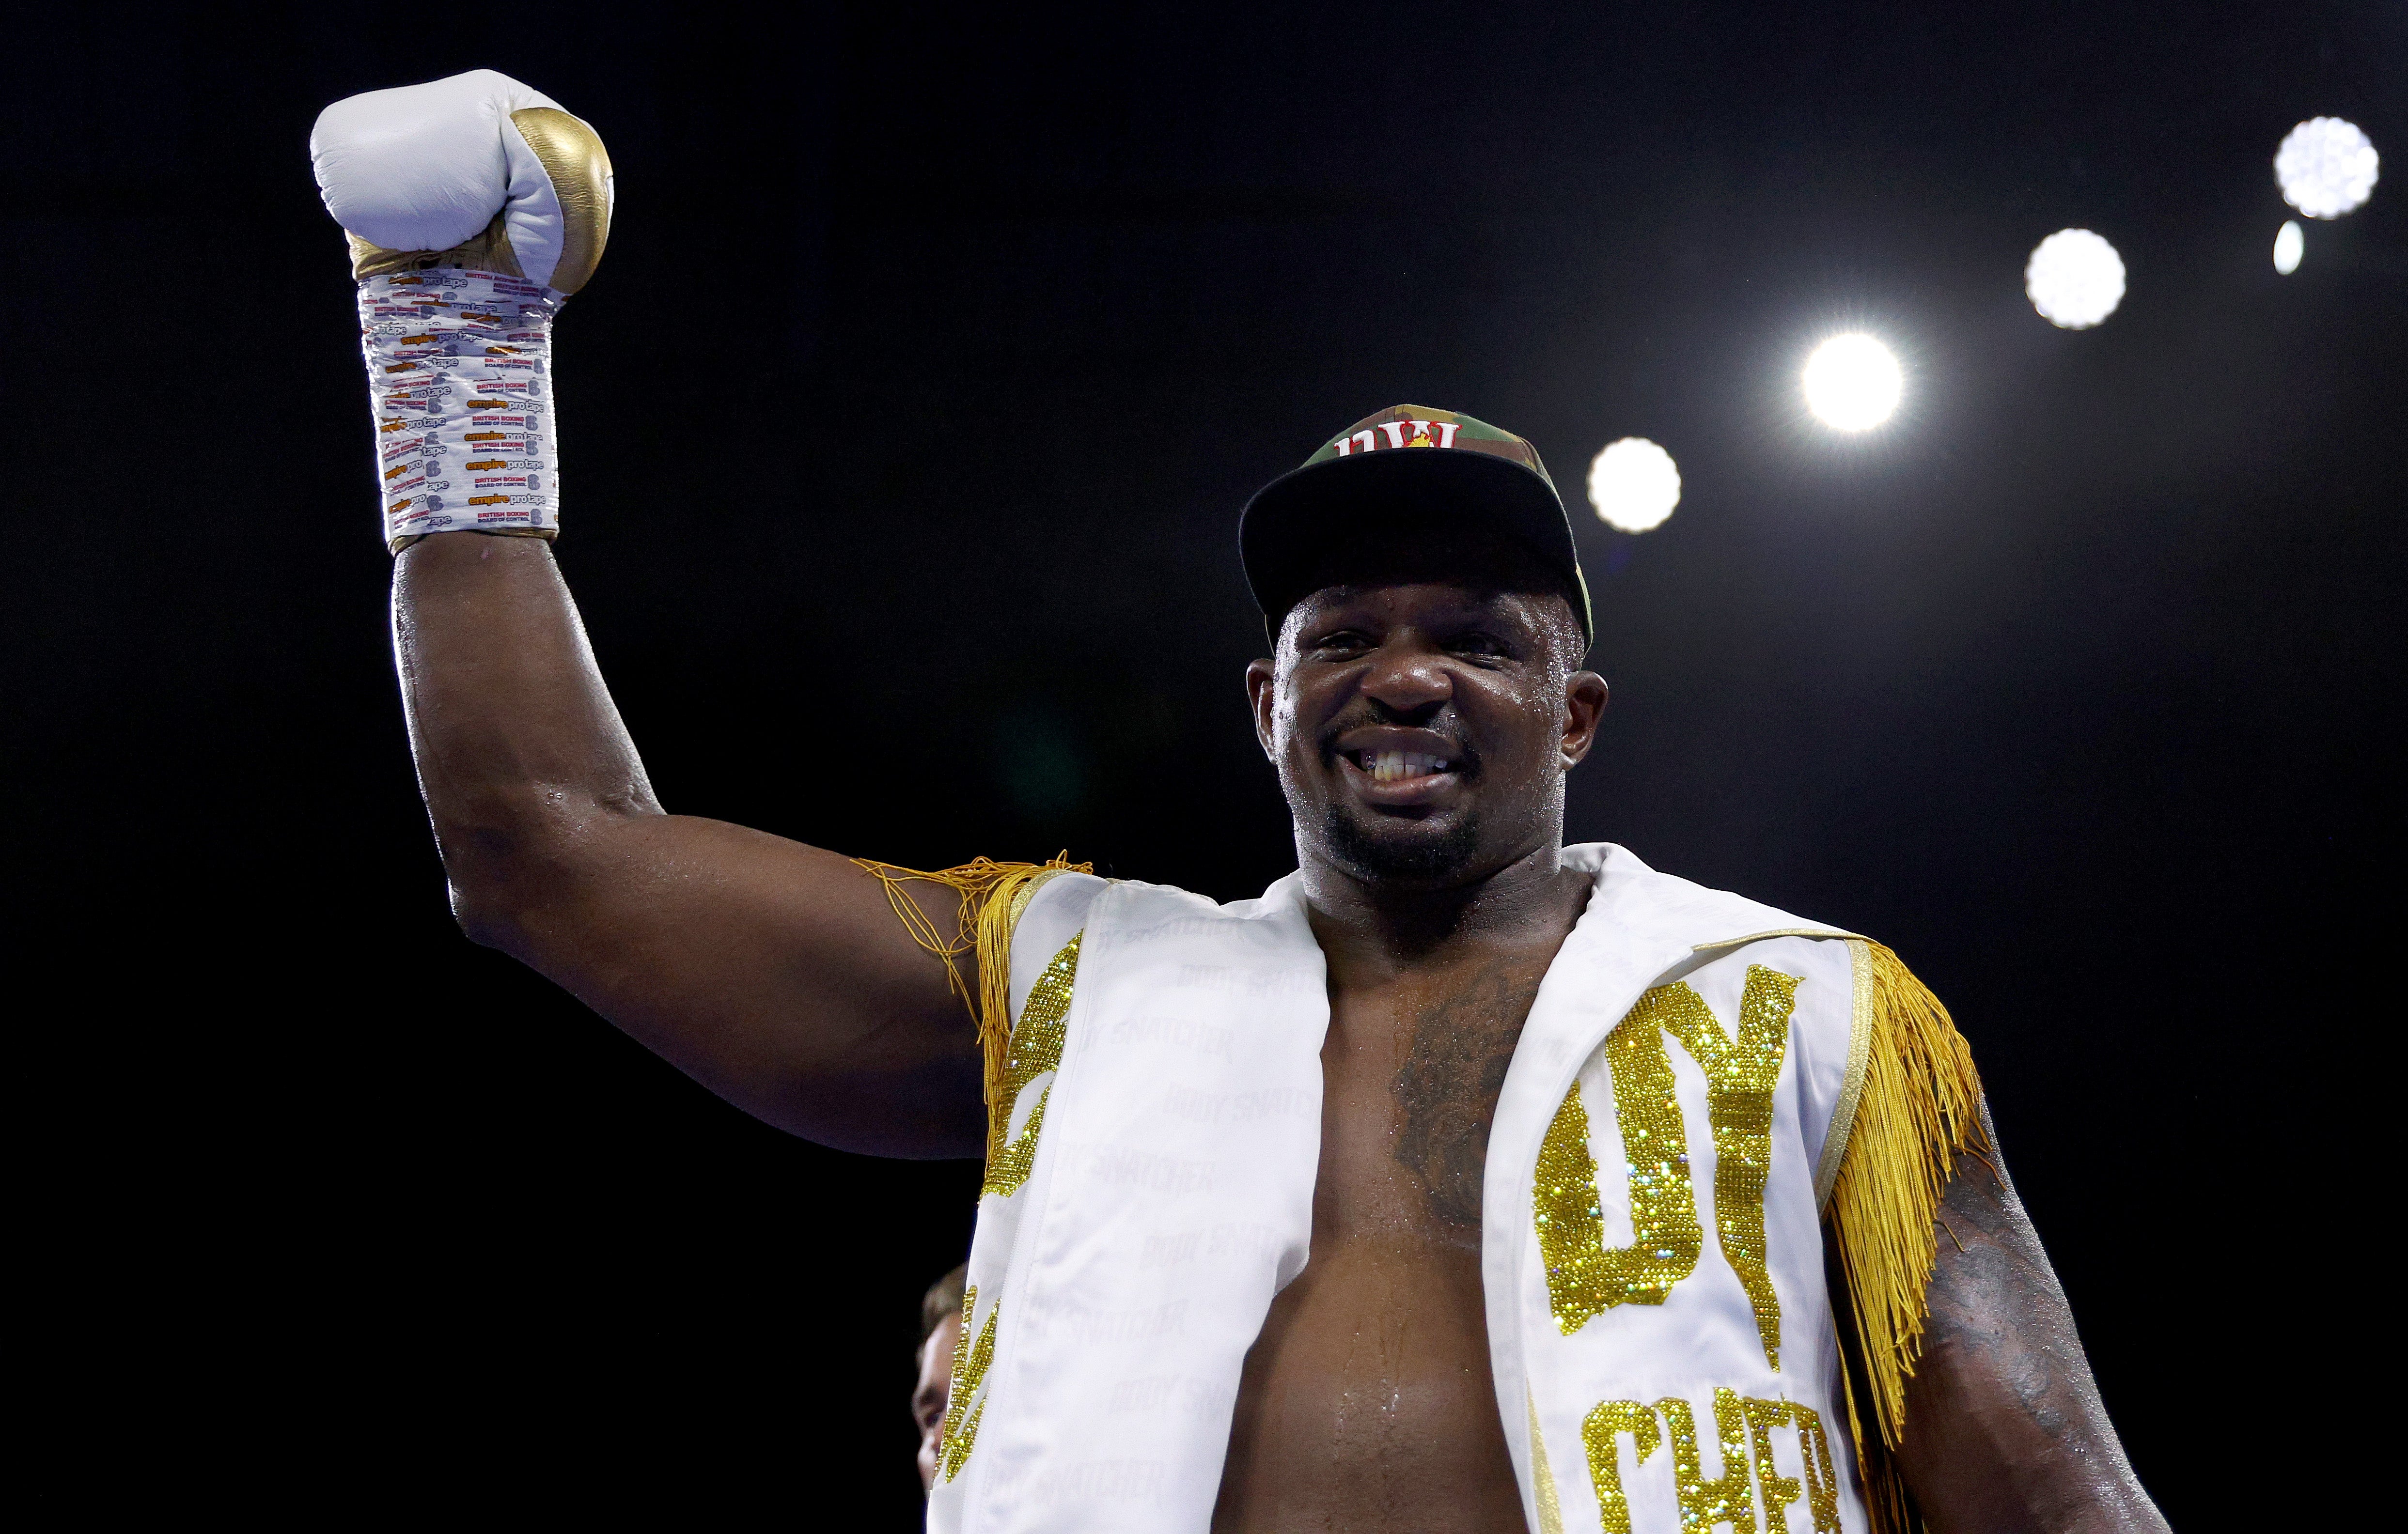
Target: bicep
pixel 776 974
pixel 2005 1426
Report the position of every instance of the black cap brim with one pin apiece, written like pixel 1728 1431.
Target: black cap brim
pixel 1289 529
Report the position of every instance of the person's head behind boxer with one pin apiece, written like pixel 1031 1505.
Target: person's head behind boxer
pixel 940 1326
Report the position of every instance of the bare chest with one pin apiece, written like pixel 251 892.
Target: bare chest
pixel 1366 1401
pixel 1411 1074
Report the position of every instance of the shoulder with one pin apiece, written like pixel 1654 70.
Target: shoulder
pixel 1051 910
pixel 1654 905
pixel 1056 908
pixel 1131 915
pixel 1135 906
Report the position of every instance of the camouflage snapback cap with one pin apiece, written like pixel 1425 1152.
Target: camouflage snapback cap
pixel 1420 426
pixel 1405 468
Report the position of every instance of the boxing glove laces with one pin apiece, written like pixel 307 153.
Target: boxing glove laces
pixel 474 208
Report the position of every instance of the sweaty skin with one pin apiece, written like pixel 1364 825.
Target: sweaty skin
pixel 1367 1402
pixel 2004 1424
pixel 773 973
pixel 777 975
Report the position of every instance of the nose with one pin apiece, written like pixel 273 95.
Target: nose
pixel 1408 680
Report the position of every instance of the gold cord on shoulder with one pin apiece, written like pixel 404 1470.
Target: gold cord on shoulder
pixel 993 896
pixel 1919 1109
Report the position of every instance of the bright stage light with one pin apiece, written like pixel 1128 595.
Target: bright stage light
pixel 2074 279
pixel 2289 245
pixel 2326 167
pixel 1853 382
pixel 1634 485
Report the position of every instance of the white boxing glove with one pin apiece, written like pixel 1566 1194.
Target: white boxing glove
pixel 477 165
pixel 475 207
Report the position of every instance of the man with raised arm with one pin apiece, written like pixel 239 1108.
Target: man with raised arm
pixel 1462 1182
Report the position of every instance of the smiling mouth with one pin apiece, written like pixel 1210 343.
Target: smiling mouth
pixel 1398 767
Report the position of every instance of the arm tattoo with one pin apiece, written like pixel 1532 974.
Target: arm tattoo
pixel 2004 1424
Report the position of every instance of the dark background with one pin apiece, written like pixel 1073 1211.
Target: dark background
pixel 904 431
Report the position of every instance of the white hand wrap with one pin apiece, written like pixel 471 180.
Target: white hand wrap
pixel 460 382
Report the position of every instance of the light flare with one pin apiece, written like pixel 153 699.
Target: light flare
pixel 1634 484
pixel 2074 279
pixel 2289 245
pixel 2327 167
pixel 1853 382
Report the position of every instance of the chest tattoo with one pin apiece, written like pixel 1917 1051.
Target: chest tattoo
pixel 1447 1087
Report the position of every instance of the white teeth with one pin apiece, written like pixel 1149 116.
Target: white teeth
pixel 1387 767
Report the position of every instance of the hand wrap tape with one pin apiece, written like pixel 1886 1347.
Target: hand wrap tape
pixel 460 383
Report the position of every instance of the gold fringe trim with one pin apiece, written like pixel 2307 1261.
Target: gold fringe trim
pixel 1919 1108
pixel 993 896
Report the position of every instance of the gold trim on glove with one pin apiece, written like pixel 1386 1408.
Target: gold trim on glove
pixel 487 251
pixel 572 155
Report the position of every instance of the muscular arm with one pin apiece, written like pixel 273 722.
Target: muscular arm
pixel 2005 1426
pixel 775 974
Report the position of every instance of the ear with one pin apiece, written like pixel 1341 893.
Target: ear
pixel 1262 680
pixel 1583 705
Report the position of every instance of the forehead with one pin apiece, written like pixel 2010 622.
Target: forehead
pixel 1429 601
pixel 936 1355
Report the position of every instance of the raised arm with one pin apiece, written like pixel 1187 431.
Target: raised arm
pixel 2004 1426
pixel 776 974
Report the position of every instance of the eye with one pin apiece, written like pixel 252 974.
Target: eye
pixel 1479 642
pixel 1338 642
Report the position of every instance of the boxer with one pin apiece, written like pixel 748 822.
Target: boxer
pixel 1463 1181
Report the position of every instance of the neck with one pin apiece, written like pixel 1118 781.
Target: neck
pixel 1373 926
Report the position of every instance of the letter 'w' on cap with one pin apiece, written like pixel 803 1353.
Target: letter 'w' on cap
pixel 1403 470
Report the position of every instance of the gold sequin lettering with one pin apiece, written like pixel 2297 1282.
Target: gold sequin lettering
pixel 1727 1499
pixel 1585 1277
pixel 1743 1429
pixel 960 1431
pixel 1822 1481
pixel 1035 1048
pixel 1778 1490
pixel 1740 1080
pixel 1598 1433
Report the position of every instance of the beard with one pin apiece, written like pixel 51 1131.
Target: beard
pixel 1402 851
